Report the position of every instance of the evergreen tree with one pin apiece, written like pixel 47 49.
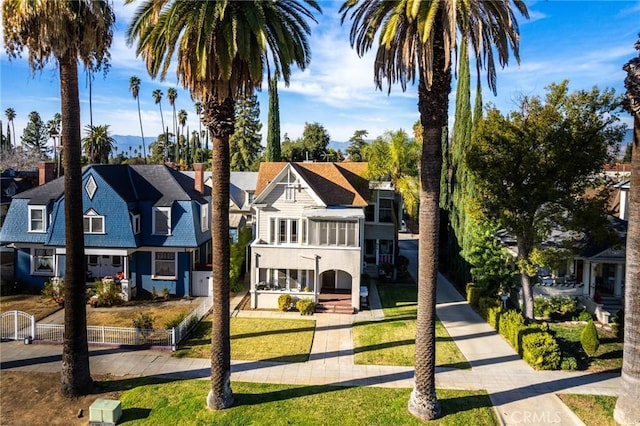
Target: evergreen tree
pixel 273 151
pixel 315 140
pixel 357 145
pixel 459 193
pixel 245 146
pixel 35 135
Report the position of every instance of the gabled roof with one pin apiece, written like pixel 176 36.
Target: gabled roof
pixel 336 184
pixel 241 183
pixel 153 182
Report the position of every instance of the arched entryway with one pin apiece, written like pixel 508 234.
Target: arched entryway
pixel 335 292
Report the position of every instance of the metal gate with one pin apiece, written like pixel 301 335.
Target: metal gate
pixel 17 325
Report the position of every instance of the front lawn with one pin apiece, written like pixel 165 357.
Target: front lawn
pixel 123 316
pixel 593 410
pixel 608 357
pixel 183 403
pixel 256 339
pixel 34 304
pixel 392 340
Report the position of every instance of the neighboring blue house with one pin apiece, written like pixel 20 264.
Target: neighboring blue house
pixel 147 225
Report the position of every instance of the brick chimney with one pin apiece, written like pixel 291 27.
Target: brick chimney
pixel 198 184
pixel 46 172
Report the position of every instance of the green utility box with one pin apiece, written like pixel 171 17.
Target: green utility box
pixel 104 412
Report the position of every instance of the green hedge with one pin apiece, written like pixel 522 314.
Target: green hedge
pixel 473 294
pixel 533 342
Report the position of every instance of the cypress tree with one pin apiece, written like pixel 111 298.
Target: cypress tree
pixel 273 152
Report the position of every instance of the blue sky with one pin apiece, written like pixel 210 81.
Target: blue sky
pixel 586 42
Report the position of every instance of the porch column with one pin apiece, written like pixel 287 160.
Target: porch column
pixel 586 277
pixel 617 289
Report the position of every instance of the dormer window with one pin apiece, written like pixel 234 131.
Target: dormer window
pixel 37 219
pixel 204 217
pixel 162 221
pixel 250 197
pixel 135 223
pixel 93 223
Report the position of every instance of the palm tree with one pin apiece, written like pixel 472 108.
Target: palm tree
pixel 172 95
pixel 199 110
pixel 134 86
pixel 11 114
pixel 182 120
pixel 221 58
pixel 627 410
pixel 66 31
pixel 98 144
pixel 157 98
pixel 53 128
pixel 416 39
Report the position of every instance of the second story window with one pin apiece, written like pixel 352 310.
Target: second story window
pixel 385 209
pixel 287 231
pixel 161 221
pixel 37 219
pixel 204 217
pixel 93 223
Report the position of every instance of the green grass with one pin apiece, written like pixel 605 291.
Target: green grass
pixel 609 354
pixel 392 341
pixel 593 410
pixel 183 403
pixel 256 339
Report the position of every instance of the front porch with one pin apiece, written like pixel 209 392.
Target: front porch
pixel 335 302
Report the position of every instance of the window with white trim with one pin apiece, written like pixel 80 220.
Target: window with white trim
pixel 135 223
pixel 42 261
pixel 287 231
pixel 37 219
pixel 93 223
pixel 164 264
pixel 333 233
pixel 204 217
pixel 161 221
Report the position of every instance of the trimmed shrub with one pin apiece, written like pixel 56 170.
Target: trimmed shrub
pixel 511 322
pixel 494 315
pixel 617 326
pixel 484 303
pixel 568 363
pixel 473 294
pixel 554 307
pixel 285 302
pixel 306 306
pixel 589 339
pixel 540 350
pixel 584 315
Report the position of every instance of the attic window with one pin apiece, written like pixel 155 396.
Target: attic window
pixel 91 187
pixel 93 223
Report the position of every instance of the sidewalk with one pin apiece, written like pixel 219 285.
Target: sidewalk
pixel 519 394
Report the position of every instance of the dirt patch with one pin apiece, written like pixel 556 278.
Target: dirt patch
pixel 35 398
pixel 123 316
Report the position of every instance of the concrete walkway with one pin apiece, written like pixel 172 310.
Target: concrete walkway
pixel 519 394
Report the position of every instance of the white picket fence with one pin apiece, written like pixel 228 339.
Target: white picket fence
pixel 13 327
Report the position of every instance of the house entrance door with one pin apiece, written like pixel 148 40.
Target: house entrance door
pixel 101 266
pixel 328 281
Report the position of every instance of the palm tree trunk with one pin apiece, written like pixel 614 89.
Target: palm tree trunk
pixel 433 105
pixel 220 122
pixel 76 378
pixel 144 148
pixel 627 409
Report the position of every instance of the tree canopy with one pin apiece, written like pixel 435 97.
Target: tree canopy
pixel 534 166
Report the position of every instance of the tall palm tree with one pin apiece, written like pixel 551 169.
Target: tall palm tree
pixel 172 95
pixel 157 98
pixel 98 144
pixel 199 109
pixel 66 31
pixel 627 409
pixel 53 128
pixel 221 57
pixel 417 39
pixel 11 114
pixel 182 121
pixel 134 86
